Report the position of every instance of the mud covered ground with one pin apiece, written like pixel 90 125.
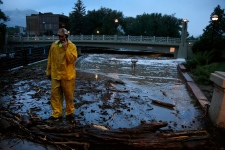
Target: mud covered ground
pixel 104 99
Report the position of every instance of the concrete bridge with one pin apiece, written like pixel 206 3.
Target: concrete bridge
pixel 179 47
pixel 152 44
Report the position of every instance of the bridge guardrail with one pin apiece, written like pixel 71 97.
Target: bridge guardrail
pixel 98 38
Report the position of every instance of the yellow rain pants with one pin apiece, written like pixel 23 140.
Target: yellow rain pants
pixel 59 90
pixel 62 70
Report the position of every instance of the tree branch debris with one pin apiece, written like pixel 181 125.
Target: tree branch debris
pixel 70 136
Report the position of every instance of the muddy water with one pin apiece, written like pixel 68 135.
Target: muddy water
pixel 128 105
pixel 153 78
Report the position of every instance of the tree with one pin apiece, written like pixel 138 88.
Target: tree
pixel 216 45
pixel 77 19
pixel 12 30
pixel 3 19
pixel 103 20
pixel 154 24
pixel 171 25
pixel 129 26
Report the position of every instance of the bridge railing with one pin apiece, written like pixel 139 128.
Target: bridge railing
pixel 98 38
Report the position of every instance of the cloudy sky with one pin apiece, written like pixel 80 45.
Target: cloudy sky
pixel 196 11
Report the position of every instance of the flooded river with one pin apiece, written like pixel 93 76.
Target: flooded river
pixel 153 78
pixel 109 92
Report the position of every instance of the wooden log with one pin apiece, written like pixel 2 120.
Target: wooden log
pixel 116 90
pixel 5 125
pixel 72 142
pixel 163 103
pixel 143 136
pixel 146 127
pixel 77 135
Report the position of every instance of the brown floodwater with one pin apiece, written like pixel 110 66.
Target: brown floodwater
pixel 153 78
pixel 110 92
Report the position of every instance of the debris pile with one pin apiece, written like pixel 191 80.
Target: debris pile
pixel 69 135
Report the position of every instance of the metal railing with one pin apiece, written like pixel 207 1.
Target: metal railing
pixel 22 56
pixel 98 38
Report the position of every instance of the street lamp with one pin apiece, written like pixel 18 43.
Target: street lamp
pixel 68 34
pixel 214 19
pixel 182 52
pixel 185 20
pixel 184 31
pixel 116 22
pixel 43 27
pixel 28 28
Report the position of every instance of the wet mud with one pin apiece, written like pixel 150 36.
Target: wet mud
pixel 109 92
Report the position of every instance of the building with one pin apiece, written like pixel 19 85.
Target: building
pixel 45 23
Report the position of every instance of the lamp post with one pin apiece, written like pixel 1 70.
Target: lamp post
pixel 183 50
pixel 43 27
pixel 28 28
pixel 116 22
pixel 68 34
pixel 214 19
pixel 184 31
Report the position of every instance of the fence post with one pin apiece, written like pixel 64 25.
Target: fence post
pixel 25 61
pixel 30 49
pixel 44 50
pixel 115 37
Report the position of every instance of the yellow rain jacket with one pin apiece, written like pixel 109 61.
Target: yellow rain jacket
pixel 60 64
pixel 61 68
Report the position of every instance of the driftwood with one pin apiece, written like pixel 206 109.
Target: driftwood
pixel 144 136
pixel 116 90
pixel 163 103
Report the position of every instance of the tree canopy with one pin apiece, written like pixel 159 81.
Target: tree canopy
pixel 154 24
pixel 212 40
pixel 103 21
pixel 77 19
pixel 3 19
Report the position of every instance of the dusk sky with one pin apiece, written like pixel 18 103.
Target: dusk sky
pixel 196 11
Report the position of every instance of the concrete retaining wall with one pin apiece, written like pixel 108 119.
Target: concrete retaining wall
pixel 196 93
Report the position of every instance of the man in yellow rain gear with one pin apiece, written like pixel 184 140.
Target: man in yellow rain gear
pixel 61 71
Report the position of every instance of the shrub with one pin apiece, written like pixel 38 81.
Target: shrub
pixel 199 59
pixel 203 72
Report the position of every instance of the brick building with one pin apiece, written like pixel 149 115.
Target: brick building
pixel 45 23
